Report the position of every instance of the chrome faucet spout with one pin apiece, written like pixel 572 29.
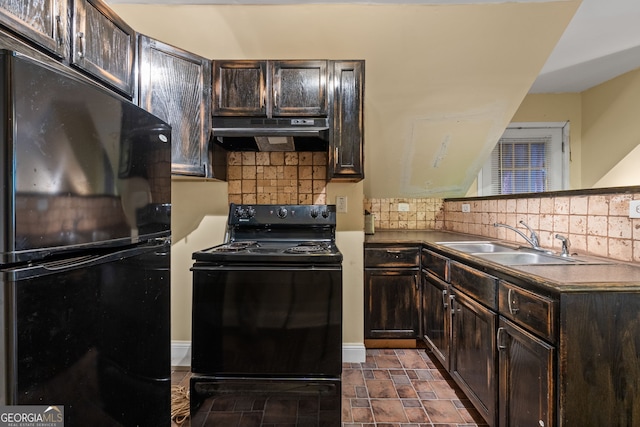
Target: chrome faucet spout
pixel 533 241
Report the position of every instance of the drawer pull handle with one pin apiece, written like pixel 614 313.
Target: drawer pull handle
pixel 513 302
pixel 444 298
pixel 81 45
pixel 389 251
pixel 59 31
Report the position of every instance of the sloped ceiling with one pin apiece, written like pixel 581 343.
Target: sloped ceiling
pixel 601 42
pixel 442 81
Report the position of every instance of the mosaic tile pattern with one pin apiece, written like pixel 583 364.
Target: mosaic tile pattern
pixel 422 214
pixel 277 177
pixel 394 388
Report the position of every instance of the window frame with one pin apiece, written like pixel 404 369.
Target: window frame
pixel 559 157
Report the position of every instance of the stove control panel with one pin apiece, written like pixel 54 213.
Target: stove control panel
pixel 241 212
pixel 257 215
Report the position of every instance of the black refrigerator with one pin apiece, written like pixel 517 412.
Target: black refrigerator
pixel 84 250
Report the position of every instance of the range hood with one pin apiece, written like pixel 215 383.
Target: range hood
pixel 271 134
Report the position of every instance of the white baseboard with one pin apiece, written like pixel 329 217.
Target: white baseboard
pixel 353 352
pixel 181 353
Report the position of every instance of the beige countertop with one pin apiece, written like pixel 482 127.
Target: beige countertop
pixel 605 275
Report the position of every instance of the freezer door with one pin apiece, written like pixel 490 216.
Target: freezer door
pixel 91 333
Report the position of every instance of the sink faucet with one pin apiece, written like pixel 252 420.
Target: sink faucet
pixel 565 244
pixel 532 240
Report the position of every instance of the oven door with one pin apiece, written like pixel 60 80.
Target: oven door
pixel 267 320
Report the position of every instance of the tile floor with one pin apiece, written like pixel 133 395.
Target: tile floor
pixel 394 388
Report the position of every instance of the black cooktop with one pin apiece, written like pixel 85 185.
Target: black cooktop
pixel 277 234
pixel 316 252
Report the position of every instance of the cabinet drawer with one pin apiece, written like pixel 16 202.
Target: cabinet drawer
pixel 483 287
pixel 436 264
pixel 392 257
pixel 531 311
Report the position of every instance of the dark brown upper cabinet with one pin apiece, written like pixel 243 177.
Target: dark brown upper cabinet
pixel 43 22
pixel 287 88
pixel 346 143
pixel 103 45
pixel 175 85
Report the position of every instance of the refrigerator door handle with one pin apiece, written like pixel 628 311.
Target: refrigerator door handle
pixel 86 261
pixel 50 267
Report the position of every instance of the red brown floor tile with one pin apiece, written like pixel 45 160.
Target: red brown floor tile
pixel 392 388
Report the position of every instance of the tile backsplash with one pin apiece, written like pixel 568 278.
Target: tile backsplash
pixel 277 177
pixel 597 224
pixel 422 214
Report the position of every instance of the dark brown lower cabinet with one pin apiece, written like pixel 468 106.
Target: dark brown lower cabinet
pixel 599 359
pixel 473 353
pixel 391 303
pixel 526 370
pixel 436 327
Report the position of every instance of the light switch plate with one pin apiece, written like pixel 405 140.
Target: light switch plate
pixel 466 207
pixel 341 204
pixel 634 209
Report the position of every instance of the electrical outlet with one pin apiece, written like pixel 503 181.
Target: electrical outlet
pixel 466 207
pixel 403 207
pixel 634 209
pixel 341 204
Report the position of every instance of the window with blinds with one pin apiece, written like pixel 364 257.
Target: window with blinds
pixel 520 165
pixel 526 159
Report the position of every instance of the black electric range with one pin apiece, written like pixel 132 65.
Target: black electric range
pixel 267 319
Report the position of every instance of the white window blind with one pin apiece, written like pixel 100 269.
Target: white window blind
pixel 520 165
pixel 527 159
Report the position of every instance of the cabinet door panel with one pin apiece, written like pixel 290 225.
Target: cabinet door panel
pixel 526 378
pixel 346 149
pixel 391 299
pixel 299 88
pixel 240 88
pixel 103 45
pixel 435 315
pixel 44 22
pixel 473 357
pixel 175 85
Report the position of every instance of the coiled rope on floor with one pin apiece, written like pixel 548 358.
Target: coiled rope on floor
pixel 179 404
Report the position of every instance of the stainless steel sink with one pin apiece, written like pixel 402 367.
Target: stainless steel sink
pixel 477 247
pixel 524 258
pixel 511 256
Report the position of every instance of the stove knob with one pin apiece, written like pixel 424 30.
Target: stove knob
pixel 325 213
pixel 282 212
pixel 251 212
pixel 314 213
